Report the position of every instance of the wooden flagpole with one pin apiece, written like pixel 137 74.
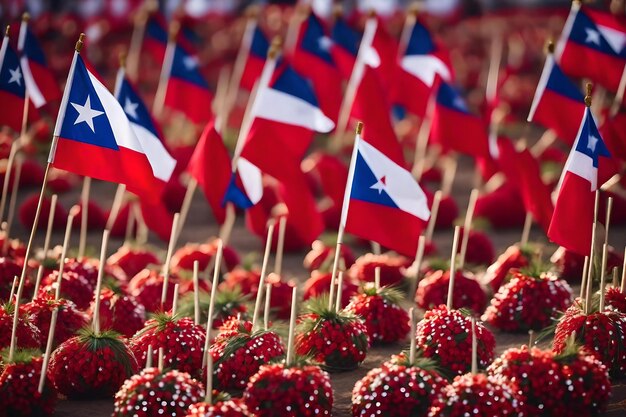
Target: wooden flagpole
pixel 455 245
pixel 354 81
pixel 209 322
pixel 136 39
pixel 239 66
pixel 417 264
pixel 46 242
pixel 103 257
pixel 118 200
pixel 259 295
pixel 292 326
pixel 619 95
pixel 421 140
pixel 583 281
pixel 168 258
pixel 196 294
pixel 166 69
pixel 280 245
pixel 467 226
pixel 84 213
pixel 528 223
pixel 434 211
pixel 592 253
pixel 413 345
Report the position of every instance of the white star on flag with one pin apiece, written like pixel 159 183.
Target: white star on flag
pixel 593 36
pixel 459 103
pixel 130 108
pixel 325 43
pixel 591 144
pixel 190 62
pixel 16 76
pixel 86 113
pixel 380 185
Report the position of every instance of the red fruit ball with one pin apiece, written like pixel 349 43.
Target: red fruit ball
pixel 512 257
pixel 432 291
pixel 391 268
pixel 181 339
pixel 247 281
pixel 239 353
pixel 289 391
pixel 225 408
pixel 90 366
pixel 385 320
pixel 321 257
pixel 203 253
pixel 9 269
pixel 572 384
pixel 132 260
pixel 96 219
pixel 147 288
pixel 597 332
pixel 615 299
pixel 27 335
pixel 19 389
pixel 151 393
pixel 74 287
pixel 446 336
pixel 120 312
pixel 478 395
pixel 397 389
pixel 69 319
pixel 528 302
pixel 29 206
pixel 448 212
pixel 319 284
pixel 480 250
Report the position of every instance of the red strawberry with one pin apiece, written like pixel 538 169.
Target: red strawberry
pixel 321 256
pixel 60 181
pixel 132 259
pixel 9 269
pixel 19 383
pixel 528 301
pixel 28 207
pixel 569 265
pixel 32 173
pixel 246 280
pixel 391 268
pixel 120 312
pixel 512 257
pixel 223 407
pixel 319 284
pixel 479 395
pixel 69 320
pixel 385 320
pixel 597 333
pixel 151 393
pixel 147 287
pixel 96 219
pixel 203 253
pixel 570 384
pixel 433 291
pixel 448 212
pixel 238 353
pixel 88 366
pixel 27 334
pixel 181 340
pixel 480 250
pixel 74 287
pixel 337 340
pixel 289 391
pixel 615 299
pixel 446 336
pixel 397 389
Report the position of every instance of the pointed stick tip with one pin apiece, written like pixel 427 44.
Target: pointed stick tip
pixel 74 210
pixel 25 17
pixel 588 87
pixel 122 58
pixel 80 43
pixel 6 31
pixel 359 127
pixel 252 11
pixel 275 47
pixel 550 46
pixel 174 29
pixel 414 9
pixel 337 11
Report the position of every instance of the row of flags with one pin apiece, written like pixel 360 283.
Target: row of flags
pixel 299 94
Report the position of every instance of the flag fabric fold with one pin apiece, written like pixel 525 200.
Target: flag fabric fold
pixel 12 87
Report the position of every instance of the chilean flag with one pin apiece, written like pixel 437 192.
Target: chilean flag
pixel 593 45
pixel 157 36
pixel 12 87
pixel 94 137
pixel 286 115
pixel 422 62
pixel 454 127
pixel 145 129
pixel 40 82
pixel 344 47
pixel 312 58
pixel 573 212
pixel 210 166
pixel 558 103
pixel 187 90
pixel 257 54
pixel 245 188
pixel 383 202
